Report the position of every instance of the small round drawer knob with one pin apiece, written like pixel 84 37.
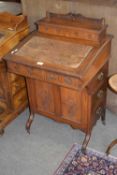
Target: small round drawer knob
pixel 100 76
pixel 100 94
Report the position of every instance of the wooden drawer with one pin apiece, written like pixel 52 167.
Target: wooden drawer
pixel 98 80
pixel 53 77
pixel 50 77
pixel 99 96
pixel 63 80
pixel 25 70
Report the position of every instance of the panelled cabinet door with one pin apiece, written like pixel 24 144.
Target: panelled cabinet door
pixel 50 99
pixel 70 105
pixel 42 96
pixel 45 96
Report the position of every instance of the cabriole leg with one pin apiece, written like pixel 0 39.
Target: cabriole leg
pixel 85 142
pixel 29 122
pixel 113 143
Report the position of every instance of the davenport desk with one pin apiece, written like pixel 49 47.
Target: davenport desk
pixel 66 78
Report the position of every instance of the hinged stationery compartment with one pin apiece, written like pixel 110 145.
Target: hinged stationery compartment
pixel 77 26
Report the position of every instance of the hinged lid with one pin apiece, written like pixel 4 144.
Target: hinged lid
pixel 54 53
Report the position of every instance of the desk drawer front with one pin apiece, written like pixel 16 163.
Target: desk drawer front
pixel 99 79
pixel 62 80
pixel 25 71
pixel 98 102
pixel 99 95
pixel 50 77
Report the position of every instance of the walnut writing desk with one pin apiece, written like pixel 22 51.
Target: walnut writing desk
pixel 66 80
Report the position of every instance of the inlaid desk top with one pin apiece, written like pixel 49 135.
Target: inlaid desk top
pixel 54 52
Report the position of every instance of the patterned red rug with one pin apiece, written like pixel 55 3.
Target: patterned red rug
pixel 91 163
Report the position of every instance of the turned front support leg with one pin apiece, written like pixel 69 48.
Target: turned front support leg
pixel 113 143
pixel 29 122
pixel 31 104
pixel 85 142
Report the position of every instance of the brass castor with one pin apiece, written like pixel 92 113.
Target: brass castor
pixel 1 132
